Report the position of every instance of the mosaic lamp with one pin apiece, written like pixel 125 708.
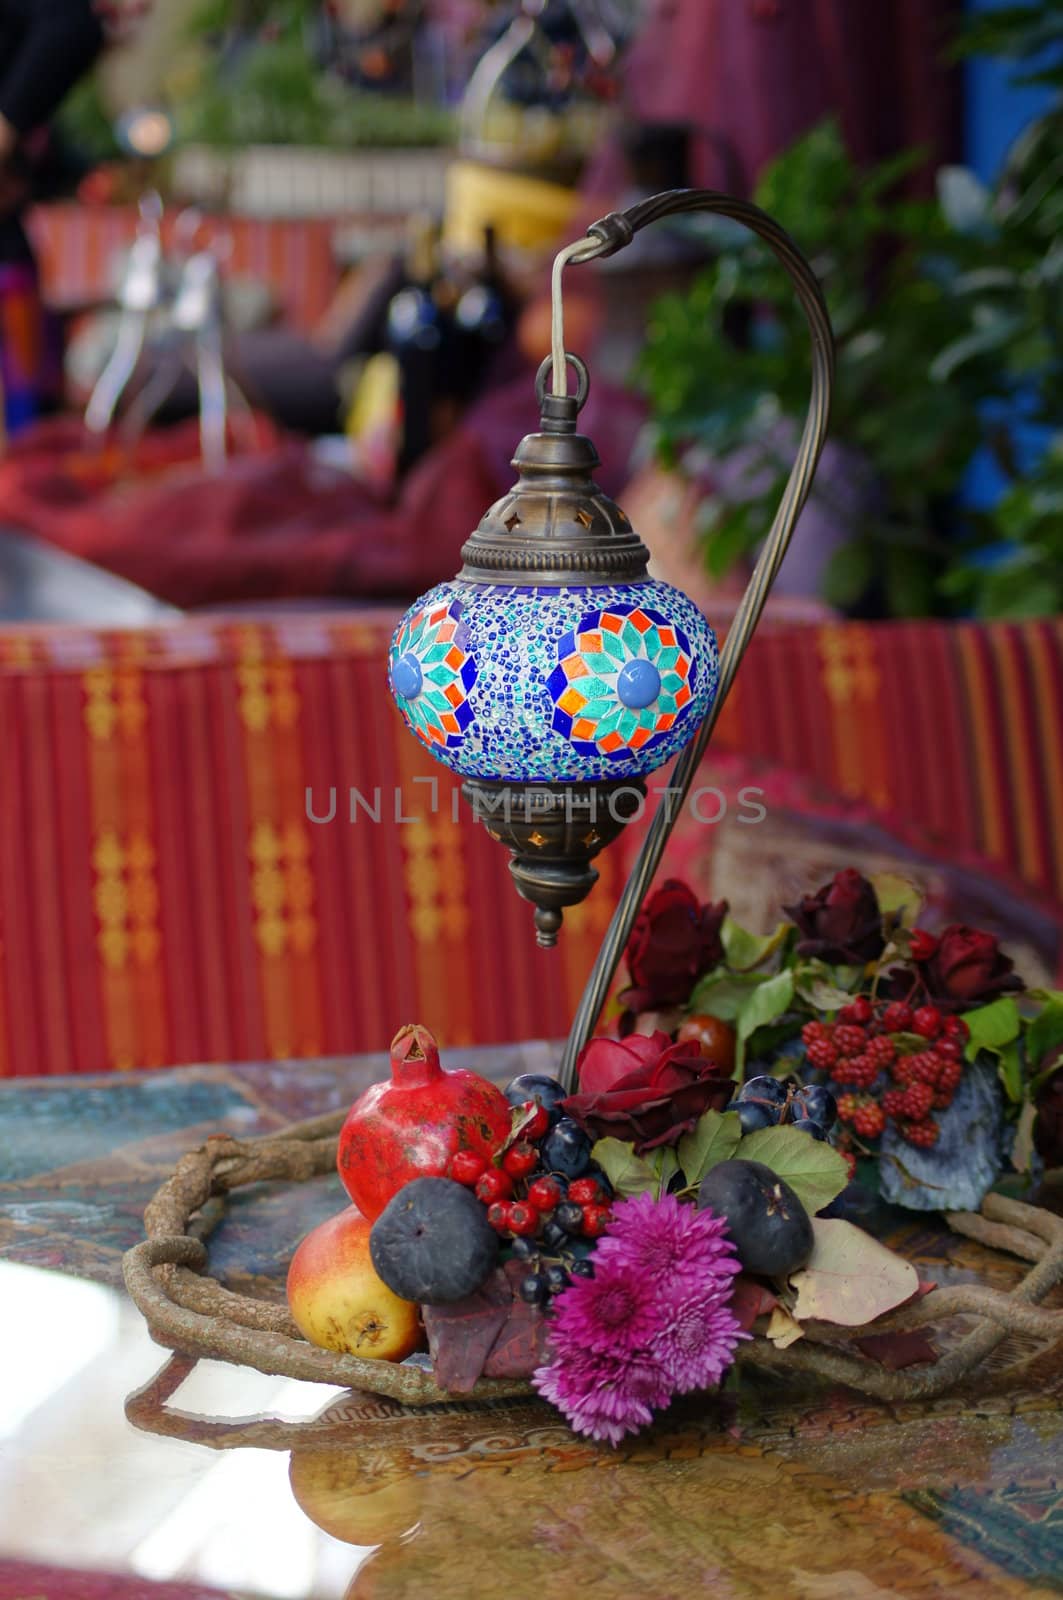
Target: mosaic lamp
pixel 553 674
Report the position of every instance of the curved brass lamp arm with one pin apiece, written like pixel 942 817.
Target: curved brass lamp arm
pixel 612 233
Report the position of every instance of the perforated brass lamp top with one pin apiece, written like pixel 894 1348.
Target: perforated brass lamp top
pixel 555 526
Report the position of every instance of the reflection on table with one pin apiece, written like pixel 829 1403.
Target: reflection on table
pixel 127 1474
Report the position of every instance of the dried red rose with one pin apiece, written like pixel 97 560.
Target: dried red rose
pixel 967 969
pixel 841 921
pixel 646 1091
pixel 675 939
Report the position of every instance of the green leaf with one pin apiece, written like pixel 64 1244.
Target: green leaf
pixel 995 1029
pixel 628 1173
pixel 849 575
pixel 910 579
pixel 814 1171
pixel 744 951
pixel 965 200
pixel 1045 996
pixel 665 1165
pixel 715 1139
pixel 1009 1070
pixel 766 1002
pixel 992 1026
pixel 1044 1034
pixel 723 994
pixel 813 982
pixel 898 896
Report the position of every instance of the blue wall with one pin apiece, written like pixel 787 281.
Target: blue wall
pixel 996 111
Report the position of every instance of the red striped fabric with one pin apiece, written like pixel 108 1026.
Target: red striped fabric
pixel 165 896
pixel 80 249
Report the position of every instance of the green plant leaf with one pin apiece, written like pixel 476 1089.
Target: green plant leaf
pixel 715 1139
pixel 744 951
pixel 814 983
pixel 723 994
pixel 897 895
pixel 849 575
pixel 1009 1070
pixel 1044 1034
pixel 764 1004
pixel 992 1026
pixel 665 1164
pixel 628 1173
pixel 965 201
pixel 815 1172
pixel 995 1029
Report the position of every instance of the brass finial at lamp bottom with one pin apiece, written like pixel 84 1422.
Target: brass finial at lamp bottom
pixel 553 674
pixel 553 833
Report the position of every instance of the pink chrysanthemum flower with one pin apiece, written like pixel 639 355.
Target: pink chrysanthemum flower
pixel 652 1322
pixel 680 1250
pixel 613 1313
pixel 697 1345
pixel 604 1396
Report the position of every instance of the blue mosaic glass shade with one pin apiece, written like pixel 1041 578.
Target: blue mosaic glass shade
pixel 553 685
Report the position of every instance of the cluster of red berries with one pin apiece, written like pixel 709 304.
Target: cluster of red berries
pixel 868 1039
pixel 519 1198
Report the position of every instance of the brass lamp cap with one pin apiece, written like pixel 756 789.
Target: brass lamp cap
pixel 555 526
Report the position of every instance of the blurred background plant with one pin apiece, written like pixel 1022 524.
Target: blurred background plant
pixel 279 72
pixel 950 340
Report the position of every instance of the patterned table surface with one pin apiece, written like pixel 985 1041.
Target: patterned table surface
pixel 779 1489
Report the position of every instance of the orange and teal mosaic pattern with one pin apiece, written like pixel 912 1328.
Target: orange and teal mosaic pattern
pixel 625 679
pixel 432 673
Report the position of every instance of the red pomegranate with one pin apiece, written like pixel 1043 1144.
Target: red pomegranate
pixel 411 1126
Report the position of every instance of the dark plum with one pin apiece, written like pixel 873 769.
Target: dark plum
pixel 816 1103
pixel 556 1279
pixel 763 1091
pixel 533 1289
pixel 567 1149
pixel 752 1117
pixel 432 1243
pixel 537 1086
pixel 815 1130
pixel 569 1216
pixel 554 1236
pixel 769 1226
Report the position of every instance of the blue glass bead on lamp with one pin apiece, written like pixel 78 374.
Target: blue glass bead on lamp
pixel 553 674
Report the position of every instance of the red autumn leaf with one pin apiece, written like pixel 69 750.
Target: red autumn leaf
pixel 897 1350
pixel 751 1300
pixel 461 1335
pixel 521 1343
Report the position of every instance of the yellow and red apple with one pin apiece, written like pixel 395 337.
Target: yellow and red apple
pixel 337 1300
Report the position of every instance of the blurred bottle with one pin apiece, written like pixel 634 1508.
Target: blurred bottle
pixel 421 335
pixel 484 318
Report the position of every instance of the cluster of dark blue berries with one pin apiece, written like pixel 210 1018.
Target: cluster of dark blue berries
pixel 772 1102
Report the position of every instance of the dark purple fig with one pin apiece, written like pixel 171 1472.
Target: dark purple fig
pixel 771 1229
pixel 432 1242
